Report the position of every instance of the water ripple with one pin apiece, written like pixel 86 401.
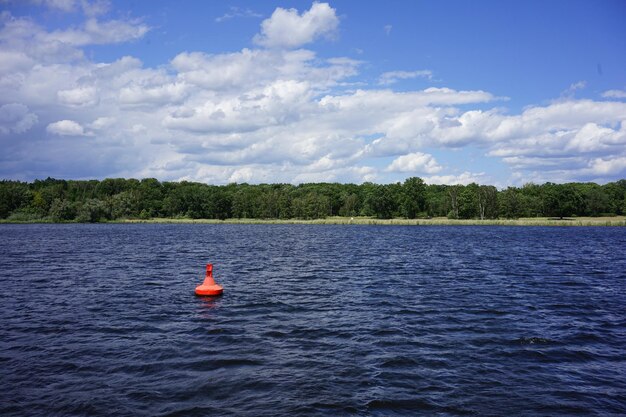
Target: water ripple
pixel 315 320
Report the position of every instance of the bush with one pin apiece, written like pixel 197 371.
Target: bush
pixel 25 215
pixel 92 211
pixel 62 210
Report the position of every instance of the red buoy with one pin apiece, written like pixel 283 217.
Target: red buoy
pixel 209 287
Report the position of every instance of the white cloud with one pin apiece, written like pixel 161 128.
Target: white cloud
pixel 16 118
pixel 571 90
pixel 101 123
pixel 14 61
pixel 611 166
pixel 288 29
pixel 592 137
pixel 96 7
pixel 392 101
pixel 235 12
pixel 245 174
pixel 614 94
pixel 241 71
pixel 275 104
pixel 391 77
pixel 94 32
pixel 62 5
pixel 77 97
pixel 90 8
pixel 387 29
pixel 557 127
pixel 544 162
pixel 66 128
pixel 137 94
pixel 463 178
pixel 416 162
pixel 275 115
pixel 138 128
pixel 25 38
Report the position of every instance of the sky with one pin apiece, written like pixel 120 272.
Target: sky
pixel 494 92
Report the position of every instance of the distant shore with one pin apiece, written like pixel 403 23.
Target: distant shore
pixel 435 221
pixel 438 221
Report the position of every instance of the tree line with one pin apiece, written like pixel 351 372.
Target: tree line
pixel 118 198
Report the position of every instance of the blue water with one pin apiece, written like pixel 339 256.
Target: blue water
pixel 314 320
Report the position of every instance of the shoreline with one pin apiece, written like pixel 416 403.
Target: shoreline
pixel 439 221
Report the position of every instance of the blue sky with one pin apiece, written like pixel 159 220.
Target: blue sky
pixel 497 92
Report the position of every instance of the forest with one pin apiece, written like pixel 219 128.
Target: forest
pixel 54 200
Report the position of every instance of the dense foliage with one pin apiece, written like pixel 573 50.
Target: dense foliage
pixel 109 199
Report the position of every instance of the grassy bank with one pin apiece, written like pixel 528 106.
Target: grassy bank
pixel 437 221
pixel 538 221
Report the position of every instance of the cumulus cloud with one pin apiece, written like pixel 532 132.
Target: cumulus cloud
pixel 391 77
pixel 77 97
pixel 94 32
pixel 89 8
pixel 277 113
pixel 102 123
pixel 610 166
pixel 275 104
pixel 614 94
pixel 62 5
pixel 137 94
pixel 288 29
pixel 573 124
pixel 256 68
pixel 66 128
pixel 96 7
pixel 24 44
pixel 235 12
pixel 16 118
pixel 415 162
pixel 571 90
pixel 452 179
pixel 18 32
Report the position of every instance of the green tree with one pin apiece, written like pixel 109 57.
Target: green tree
pixel 453 192
pixel 437 200
pixel 468 201
pixel 38 204
pixel 509 203
pixel 92 211
pixel 596 200
pixel 13 195
pixel 380 202
pixel 151 196
pixel 350 206
pixel 531 197
pixel 616 192
pixel 124 205
pixel 560 200
pixel 45 192
pixel 81 190
pixel 110 187
pixel 62 210
pixel 274 202
pixel 219 204
pixel 487 197
pixel 310 206
pixel 244 202
pixel 414 197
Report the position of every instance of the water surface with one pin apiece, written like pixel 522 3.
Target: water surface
pixel 315 320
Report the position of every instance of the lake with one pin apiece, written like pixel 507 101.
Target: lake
pixel 315 320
